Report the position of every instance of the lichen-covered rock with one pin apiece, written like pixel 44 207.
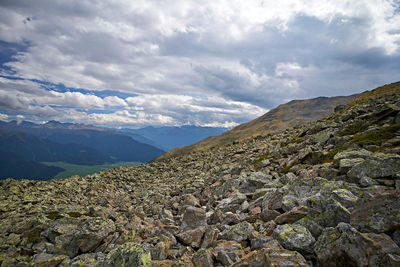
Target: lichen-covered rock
pixel 379 214
pixel 344 197
pixel 128 254
pixel 238 232
pixel 294 237
pixel 87 260
pixel 351 154
pixel 232 203
pixel 376 166
pixel 326 211
pixel 93 232
pixel 345 246
pixel 47 260
pixel 203 258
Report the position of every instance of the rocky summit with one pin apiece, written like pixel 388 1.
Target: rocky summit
pixel 326 193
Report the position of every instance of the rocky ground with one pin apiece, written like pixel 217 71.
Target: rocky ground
pixel 322 194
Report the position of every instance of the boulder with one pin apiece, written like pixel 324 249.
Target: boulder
pixel 93 232
pixel 203 258
pixel 128 254
pixel 254 258
pixel 193 218
pixel 210 237
pixel 192 237
pixel 344 197
pixel 238 232
pixel 47 260
pixel 232 203
pixel 376 166
pixel 294 237
pixel 284 257
pixel 326 211
pixel 272 258
pixel 379 214
pixel 345 246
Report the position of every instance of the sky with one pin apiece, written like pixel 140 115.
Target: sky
pixel 218 63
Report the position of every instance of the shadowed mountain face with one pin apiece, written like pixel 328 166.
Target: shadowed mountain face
pixel 30 144
pixel 291 114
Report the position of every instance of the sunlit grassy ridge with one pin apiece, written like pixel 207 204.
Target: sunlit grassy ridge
pixel 387 89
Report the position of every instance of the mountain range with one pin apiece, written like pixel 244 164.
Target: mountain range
pixel 30 143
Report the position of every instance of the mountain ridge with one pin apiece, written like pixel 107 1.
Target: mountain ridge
pixel 295 112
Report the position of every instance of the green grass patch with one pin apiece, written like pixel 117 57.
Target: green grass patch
pixel 288 167
pixel 298 140
pixel 331 154
pixel 83 170
pixel 74 214
pixel 376 137
pixel 284 143
pixel 354 128
pixel 54 215
pixel 261 158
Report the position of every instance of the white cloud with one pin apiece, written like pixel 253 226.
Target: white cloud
pixel 190 61
pixel 3 117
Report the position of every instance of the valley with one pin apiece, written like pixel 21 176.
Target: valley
pixel 83 170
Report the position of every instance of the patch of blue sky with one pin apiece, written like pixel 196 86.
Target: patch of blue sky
pixel 61 88
pixel 8 51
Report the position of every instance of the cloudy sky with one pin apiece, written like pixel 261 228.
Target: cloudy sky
pixel 201 62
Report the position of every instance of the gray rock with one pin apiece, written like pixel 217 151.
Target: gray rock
pixel 346 164
pixel 376 166
pixel 294 237
pixel 254 259
pixel 193 218
pixel 238 232
pixel 344 197
pixel 192 237
pixel 203 258
pixel 232 203
pixel 283 257
pixel 47 260
pixel 379 214
pixel 345 246
pixel 210 237
pixel 223 257
pixel 128 254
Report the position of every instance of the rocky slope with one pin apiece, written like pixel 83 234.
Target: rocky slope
pixel 325 193
pixel 287 115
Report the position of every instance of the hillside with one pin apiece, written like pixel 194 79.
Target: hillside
pixel 291 114
pixel 326 193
